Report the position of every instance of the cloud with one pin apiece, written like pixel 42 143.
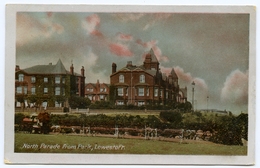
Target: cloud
pixel 124 37
pixel 91 24
pixel 157 51
pixel 185 80
pixel 120 49
pixel 28 28
pixel 235 88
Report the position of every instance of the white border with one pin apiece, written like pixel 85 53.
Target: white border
pixel 110 159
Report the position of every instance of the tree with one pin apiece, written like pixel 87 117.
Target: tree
pixel 175 118
pixel 44 118
pixel 242 121
pixel 79 102
pixel 20 98
pixel 60 99
pixel 112 94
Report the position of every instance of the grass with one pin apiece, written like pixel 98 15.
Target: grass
pixel 73 144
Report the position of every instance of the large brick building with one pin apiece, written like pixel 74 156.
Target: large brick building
pixel 48 85
pixel 97 91
pixel 146 84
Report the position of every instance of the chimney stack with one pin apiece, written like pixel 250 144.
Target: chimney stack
pixel 82 71
pixel 129 64
pixel 113 68
pixel 72 69
pixel 17 68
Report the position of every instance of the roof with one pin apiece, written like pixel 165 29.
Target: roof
pixel 47 69
pixel 173 73
pixel 153 57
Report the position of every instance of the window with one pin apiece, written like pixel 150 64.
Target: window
pixel 140 91
pixel 121 79
pixel 20 77
pixel 57 90
pixel 161 93
pixel 45 80
pixel 25 90
pixel 57 104
pixel 167 95
pixel 45 90
pixel 101 97
pixel 19 90
pixel 142 79
pixel 120 102
pixel 33 90
pixel 140 103
pixel 103 89
pixel 57 79
pixel 44 104
pixel 147 92
pixel 63 80
pixel 33 79
pixel 90 97
pixel 156 92
pixel 120 91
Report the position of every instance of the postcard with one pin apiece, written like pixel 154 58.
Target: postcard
pixel 115 84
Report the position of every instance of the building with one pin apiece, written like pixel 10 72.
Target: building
pixel 145 84
pixel 97 91
pixel 47 85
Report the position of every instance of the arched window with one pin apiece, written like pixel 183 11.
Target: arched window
pixel 142 79
pixel 121 79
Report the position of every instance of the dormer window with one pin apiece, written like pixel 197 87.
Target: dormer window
pixel 121 79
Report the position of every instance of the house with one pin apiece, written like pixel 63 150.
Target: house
pixel 145 84
pixel 47 85
pixel 97 91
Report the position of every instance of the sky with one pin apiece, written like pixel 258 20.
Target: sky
pixel 210 49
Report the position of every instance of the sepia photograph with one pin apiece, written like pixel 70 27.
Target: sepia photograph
pixel 130 84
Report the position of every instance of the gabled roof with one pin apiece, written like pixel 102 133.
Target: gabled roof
pixel 173 73
pixel 47 69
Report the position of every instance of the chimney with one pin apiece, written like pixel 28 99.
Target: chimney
pixel 129 64
pixel 17 68
pixel 113 68
pixel 72 69
pixel 82 71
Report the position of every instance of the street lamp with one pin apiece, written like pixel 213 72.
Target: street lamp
pixel 207 103
pixel 193 86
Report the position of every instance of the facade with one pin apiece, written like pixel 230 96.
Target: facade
pixel 47 85
pixel 145 84
pixel 97 91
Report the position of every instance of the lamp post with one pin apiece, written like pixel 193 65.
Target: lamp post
pixel 193 86
pixel 207 103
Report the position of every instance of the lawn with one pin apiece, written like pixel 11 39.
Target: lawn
pixel 39 143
